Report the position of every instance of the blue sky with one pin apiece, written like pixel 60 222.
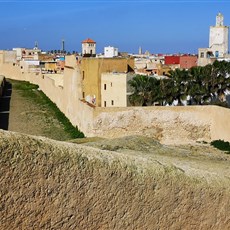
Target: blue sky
pixel 157 26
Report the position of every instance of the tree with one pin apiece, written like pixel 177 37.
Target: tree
pixel 141 90
pixel 204 85
pixel 179 88
pixel 222 71
pixel 198 86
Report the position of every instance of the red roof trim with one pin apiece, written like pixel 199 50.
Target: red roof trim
pixel 88 40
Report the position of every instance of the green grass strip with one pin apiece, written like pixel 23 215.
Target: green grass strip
pixel 31 91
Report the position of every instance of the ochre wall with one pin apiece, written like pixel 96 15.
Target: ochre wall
pixel 93 67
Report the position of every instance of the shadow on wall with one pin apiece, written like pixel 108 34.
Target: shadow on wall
pixel 5 106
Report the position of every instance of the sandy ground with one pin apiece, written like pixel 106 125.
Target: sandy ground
pixel 27 116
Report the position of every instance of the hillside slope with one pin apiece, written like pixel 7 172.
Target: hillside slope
pixel 129 183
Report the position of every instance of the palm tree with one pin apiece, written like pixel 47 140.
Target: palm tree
pixel 166 91
pixel 155 93
pixel 180 84
pixel 198 86
pixel 141 90
pixel 222 71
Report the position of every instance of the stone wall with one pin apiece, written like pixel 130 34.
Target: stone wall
pixel 46 184
pixel 170 125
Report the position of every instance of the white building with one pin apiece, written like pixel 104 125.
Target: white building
pixel 218 43
pixel 27 54
pixel 110 52
pixel 88 48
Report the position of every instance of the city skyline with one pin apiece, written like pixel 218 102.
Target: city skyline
pixel 156 26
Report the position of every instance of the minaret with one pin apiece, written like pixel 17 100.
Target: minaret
pixel 140 51
pixel 36 45
pixel 219 20
pixel 218 37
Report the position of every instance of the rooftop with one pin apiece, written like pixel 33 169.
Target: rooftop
pixel 88 40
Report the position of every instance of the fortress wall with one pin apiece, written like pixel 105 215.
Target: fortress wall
pixel 53 92
pixel 12 72
pixel 67 98
pixel 170 125
pixel 220 128
pixel 78 112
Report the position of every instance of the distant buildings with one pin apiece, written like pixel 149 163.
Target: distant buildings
pixel 181 61
pixel 218 43
pixel 103 79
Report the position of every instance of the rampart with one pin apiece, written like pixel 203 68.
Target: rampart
pixel 170 125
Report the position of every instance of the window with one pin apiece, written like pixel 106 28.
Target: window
pixel 217 54
pixel 112 102
pixel 202 54
pixel 111 84
pixel 104 103
pixel 83 95
pixel 104 86
pixel 83 75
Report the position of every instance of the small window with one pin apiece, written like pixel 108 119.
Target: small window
pixel 104 86
pixel 111 84
pixel 112 102
pixel 83 75
pixel 83 95
pixel 202 54
pixel 104 103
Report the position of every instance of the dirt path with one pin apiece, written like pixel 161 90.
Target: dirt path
pixel 27 116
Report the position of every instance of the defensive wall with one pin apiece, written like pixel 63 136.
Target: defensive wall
pixel 170 125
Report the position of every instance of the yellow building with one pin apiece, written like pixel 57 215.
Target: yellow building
pixel 91 70
pixel 163 69
pixel 50 66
